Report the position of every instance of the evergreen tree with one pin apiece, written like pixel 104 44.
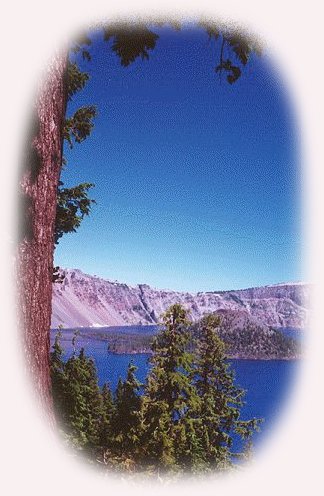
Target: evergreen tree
pixel 106 421
pixel 83 402
pixel 221 399
pixel 185 421
pixel 170 403
pixel 126 418
pixel 58 377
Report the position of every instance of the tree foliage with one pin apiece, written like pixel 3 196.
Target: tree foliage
pixel 244 340
pixel 238 45
pixel 79 126
pixel 58 378
pixel 126 420
pixel 183 420
pixel 79 403
pixel 108 412
pixel 130 42
pixel 75 79
pixel 221 399
pixel 73 204
pixel 170 400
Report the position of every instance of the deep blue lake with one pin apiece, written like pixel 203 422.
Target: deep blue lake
pixel 267 382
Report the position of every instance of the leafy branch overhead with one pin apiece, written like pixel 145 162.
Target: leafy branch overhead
pixel 130 42
pixel 242 47
pixel 236 44
pixel 79 46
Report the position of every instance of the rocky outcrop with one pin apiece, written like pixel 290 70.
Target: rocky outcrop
pixel 82 300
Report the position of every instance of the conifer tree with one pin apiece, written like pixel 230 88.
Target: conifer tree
pixel 58 377
pixel 126 418
pixel 170 403
pixel 185 421
pixel 221 399
pixel 108 408
pixel 83 401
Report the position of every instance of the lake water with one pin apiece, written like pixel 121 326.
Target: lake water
pixel 267 382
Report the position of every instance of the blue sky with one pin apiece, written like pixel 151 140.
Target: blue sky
pixel 196 181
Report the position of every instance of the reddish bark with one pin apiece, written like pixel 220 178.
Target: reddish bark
pixel 35 251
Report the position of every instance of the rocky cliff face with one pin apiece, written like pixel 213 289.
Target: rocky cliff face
pixel 82 300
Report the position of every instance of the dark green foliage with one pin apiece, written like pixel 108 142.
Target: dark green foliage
pixel 170 402
pixel 126 418
pixel 127 342
pixel 257 342
pixel 76 79
pixel 234 71
pixel 58 378
pixel 130 42
pixel 82 411
pixel 191 405
pixel 72 205
pixel 212 30
pixel 240 46
pixel 108 411
pixel 221 399
pixel 183 421
pixel 249 341
pixel 77 398
pixel 78 46
pixel 237 44
pixel 58 276
pixel 133 41
pixel 79 126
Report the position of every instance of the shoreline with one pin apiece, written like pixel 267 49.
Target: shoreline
pixel 234 357
pixel 96 334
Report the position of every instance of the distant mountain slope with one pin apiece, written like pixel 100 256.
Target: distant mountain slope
pixel 82 300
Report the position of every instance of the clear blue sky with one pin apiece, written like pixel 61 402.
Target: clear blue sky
pixel 196 181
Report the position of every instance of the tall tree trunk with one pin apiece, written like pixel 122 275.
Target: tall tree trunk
pixel 38 189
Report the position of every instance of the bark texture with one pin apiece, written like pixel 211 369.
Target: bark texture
pixel 38 190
